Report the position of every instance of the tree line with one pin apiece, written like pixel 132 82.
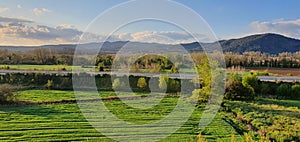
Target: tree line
pixel 257 59
pixel 155 63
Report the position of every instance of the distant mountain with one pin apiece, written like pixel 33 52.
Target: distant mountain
pixel 265 43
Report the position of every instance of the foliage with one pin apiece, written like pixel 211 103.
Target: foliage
pixel 240 88
pixel 163 80
pixel 296 91
pixel 117 84
pixel 142 83
pixel 205 78
pixel 100 66
pixel 251 81
pixel 283 90
pixel 267 119
pixel 6 94
pixel 168 84
pixel 265 88
pixel 200 95
pixel 174 69
pixel 49 84
pixel 155 63
pixel 235 90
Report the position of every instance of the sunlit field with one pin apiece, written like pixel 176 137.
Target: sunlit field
pixel 44 68
pixel 64 122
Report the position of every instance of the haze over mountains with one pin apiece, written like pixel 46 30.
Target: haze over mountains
pixel 265 43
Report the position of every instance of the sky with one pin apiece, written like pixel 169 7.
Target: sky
pixel 36 22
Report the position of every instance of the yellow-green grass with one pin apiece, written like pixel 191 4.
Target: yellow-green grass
pixel 64 122
pixel 44 67
pixel 276 119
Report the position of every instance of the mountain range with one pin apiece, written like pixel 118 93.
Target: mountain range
pixel 265 43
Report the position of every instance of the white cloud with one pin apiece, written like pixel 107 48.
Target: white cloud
pixel 40 11
pixel 15 31
pixel 3 9
pixel 19 6
pixel 289 28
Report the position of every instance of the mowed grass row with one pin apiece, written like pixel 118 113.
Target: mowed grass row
pixel 64 122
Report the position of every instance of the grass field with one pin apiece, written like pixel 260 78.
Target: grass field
pixel 278 120
pixel 64 122
pixel 44 67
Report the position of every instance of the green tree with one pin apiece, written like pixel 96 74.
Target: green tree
pixel 283 90
pixel 205 76
pixel 173 85
pixel 265 88
pixel 142 83
pixel 251 81
pixel 235 90
pixel 296 91
pixel 163 82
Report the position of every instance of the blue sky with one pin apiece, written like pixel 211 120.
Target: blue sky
pixel 228 18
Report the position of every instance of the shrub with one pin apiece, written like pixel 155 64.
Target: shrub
pixel 265 88
pixel 6 95
pixel 173 85
pixel 251 81
pixel 163 80
pixel 66 83
pixel 168 84
pixel 235 90
pixel 117 84
pixel 49 84
pixel 174 69
pixel 283 90
pixel 200 95
pixel 296 91
pixel 141 83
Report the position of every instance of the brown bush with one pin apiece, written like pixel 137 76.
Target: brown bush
pixel 6 94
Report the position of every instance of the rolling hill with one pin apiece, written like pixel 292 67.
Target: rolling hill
pixel 265 43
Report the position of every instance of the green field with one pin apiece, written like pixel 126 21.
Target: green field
pixel 275 119
pixel 44 67
pixel 64 122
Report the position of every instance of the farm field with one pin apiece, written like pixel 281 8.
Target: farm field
pixel 261 118
pixel 278 71
pixel 43 67
pixel 270 71
pixel 277 120
pixel 64 122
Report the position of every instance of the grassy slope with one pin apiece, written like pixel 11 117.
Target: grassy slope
pixel 65 122
pixel 276 119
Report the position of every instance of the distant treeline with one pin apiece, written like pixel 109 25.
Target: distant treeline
pixel 154 63
pixel 257 59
